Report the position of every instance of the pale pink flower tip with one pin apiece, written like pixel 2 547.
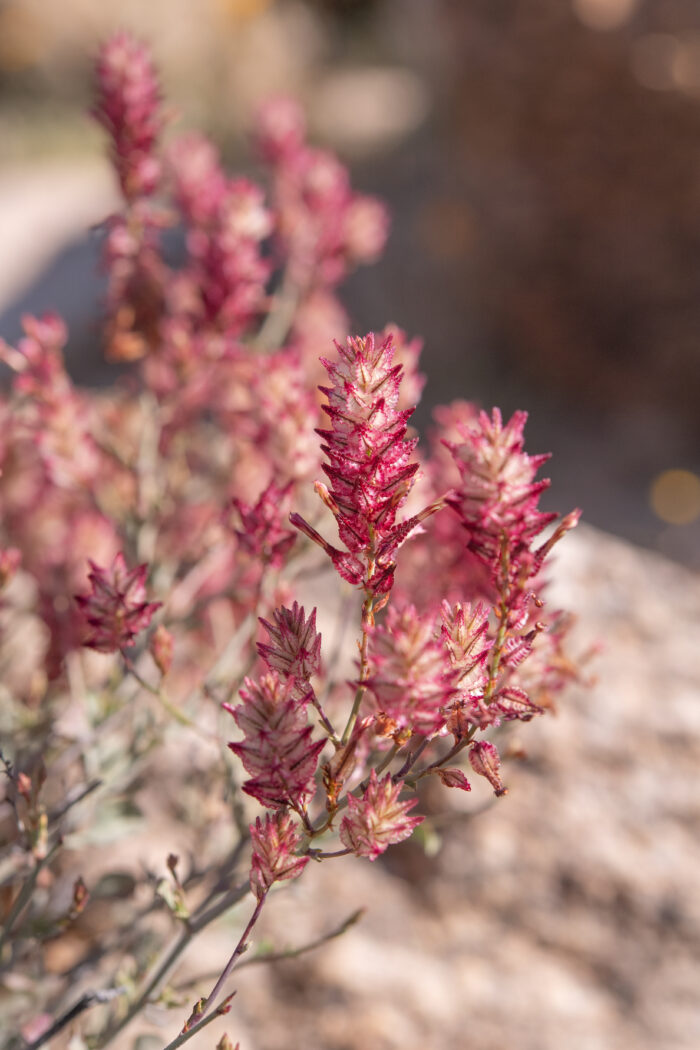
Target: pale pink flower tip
pixel 280 128
pixel 378 819
pixel 486 761
pixel 116 610
pixel 275 840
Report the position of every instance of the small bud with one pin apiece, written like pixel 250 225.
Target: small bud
pixel 161 649
pixel 24 786
pixel 454 778
pixel 225 1043
pixel 9 562
pixel 81 896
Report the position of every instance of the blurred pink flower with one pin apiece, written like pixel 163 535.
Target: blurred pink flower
pixel 128 107
pixel 116 611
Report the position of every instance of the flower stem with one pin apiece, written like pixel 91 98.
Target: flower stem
pixel 367 624
pixel 197 1017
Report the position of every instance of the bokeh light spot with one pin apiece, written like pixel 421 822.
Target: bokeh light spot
pixel 604 14
pixel 675 496
pixel 653 59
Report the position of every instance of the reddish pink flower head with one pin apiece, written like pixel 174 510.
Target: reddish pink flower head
pixel 275 839
pixel 378 819
pixel 369 464
pixel 116 610
pixel 497 503
pixel 294 648
pixel 277 749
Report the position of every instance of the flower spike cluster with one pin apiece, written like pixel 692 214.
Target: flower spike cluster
pixel 116 610
pixel 195 463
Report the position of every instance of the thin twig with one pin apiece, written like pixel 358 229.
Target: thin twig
pixel 87 1000
pixel 187 1033
pixel 163 968
pixel 25 893
pixel 288 953
pixel 198 1016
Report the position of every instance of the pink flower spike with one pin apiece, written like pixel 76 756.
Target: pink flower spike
pixel 369 463
pixel 378 819
pixel 486 761
pixel 294 648
pixel 274 841
pixel 116 611
pixel 277 749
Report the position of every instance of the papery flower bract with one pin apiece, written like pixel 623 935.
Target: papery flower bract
pixel 514 703
pixel 294 646
pixel 277 749
pixel 486 761
pixel 378 819
pixel 116 610
pixel 411 676
pixel 275 839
